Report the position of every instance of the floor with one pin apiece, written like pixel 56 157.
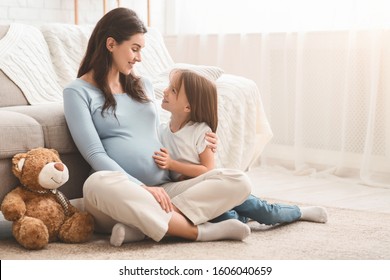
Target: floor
pixel 274 185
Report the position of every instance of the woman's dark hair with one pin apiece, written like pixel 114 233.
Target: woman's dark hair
pixel 120 24
pixel 201 94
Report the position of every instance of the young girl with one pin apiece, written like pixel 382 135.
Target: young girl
pixel 192 101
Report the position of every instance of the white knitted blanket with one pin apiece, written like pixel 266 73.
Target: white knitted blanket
pixel 67 44
pixel 25 59
pixel 243 127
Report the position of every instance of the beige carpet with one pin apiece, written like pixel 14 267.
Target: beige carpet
pixel 349 235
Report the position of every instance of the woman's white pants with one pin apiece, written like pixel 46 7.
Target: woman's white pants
pixel 111 197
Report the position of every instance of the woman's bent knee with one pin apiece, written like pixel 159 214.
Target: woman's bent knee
pixel 240 184
pixel 102 183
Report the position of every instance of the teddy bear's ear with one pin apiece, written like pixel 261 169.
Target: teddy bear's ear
pixel 17 163
pixel 55 151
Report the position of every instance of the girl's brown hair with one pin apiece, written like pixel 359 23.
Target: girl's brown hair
pixel 120 24
pixel 202 96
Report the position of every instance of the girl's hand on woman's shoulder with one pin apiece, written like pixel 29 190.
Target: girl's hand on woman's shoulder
pixel 212 141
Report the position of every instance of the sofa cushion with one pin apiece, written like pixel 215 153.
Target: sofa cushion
pixel 19 133
pixel 3 30
pixel 11 95
pixel 51 118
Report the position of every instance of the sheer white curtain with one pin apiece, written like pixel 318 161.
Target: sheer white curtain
pixel 247 16
pixel 322 68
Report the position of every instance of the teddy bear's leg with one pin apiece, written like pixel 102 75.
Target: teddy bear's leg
pixel 78 228
pixel 31 233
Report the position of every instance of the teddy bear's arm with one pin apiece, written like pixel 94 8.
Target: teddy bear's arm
pixel 72 209
pixel 13 206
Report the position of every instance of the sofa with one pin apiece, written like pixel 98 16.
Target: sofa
pixel 37 62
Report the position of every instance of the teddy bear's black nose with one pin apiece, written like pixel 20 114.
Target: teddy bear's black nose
pixel 59 166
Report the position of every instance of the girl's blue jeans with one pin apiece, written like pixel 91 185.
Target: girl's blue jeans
pixel 259 210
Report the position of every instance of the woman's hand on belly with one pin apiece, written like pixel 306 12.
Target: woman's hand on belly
pixel 161 197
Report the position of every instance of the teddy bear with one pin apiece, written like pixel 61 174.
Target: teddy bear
pixel 39 212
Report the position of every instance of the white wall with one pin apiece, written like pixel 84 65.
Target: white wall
pixel 37 12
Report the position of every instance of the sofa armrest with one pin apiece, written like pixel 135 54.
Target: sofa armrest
pixel 243 128
pixel 52 120
pixel 19 133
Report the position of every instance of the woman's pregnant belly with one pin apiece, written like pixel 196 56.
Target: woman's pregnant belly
pixel 135 157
